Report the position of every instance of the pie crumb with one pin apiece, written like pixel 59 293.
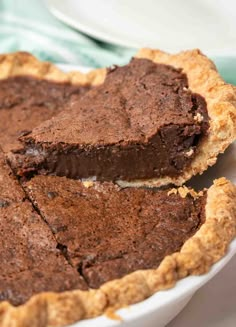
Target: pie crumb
pixel 189 153
pixel 172 191
pixel 110 313
pixel 184 191
pixel 198 118
pixel 88 184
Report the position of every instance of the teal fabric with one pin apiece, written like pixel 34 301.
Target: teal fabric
pixel 227 67
pixel 27 25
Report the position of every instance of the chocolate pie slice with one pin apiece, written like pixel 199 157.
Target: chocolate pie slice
pixel 160 119
pixel 123 245
pixel 32 91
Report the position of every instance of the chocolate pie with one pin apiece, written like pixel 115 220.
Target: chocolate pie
pixel 158 120
pixel 73 248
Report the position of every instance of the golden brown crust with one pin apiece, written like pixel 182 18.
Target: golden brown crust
pixel 196 257
pixel 220 97
pixel 23 63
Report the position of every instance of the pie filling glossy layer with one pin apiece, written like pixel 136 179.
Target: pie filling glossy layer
pixel 142 122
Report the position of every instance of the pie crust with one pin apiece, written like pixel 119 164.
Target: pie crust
pixel 196 257
pixel 23 63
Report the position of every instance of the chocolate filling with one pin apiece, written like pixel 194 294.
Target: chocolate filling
pixel 143 122
pixel 26 101
pixel 108 232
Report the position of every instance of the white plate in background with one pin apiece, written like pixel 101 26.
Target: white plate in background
pixel 168 25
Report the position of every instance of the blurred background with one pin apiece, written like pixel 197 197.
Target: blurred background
pixel 98 33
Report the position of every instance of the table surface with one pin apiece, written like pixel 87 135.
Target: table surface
pixel 214 305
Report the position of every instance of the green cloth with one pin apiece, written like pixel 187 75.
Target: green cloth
pixel 27 25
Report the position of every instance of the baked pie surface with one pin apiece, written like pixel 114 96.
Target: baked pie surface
pixel 108 232
pixel 32 91
pixel 30 260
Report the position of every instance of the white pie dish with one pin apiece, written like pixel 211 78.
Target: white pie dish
pixel 163 306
